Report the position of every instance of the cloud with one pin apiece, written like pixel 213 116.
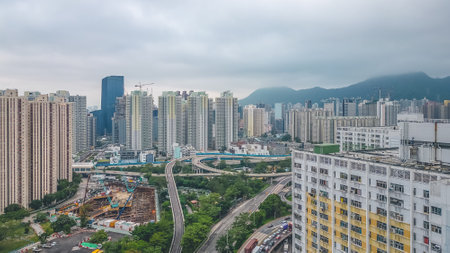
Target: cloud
pixel 218 45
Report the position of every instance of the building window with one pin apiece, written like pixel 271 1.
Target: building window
pixel 381 184
pixel 344 224
pixel 344 237
pixel 343 175
pixel 381 238
pixel 356 216
pixel 397 230
pixel 397 216
pixel 426 240
pixel 343 187
pixel 397 245
pixel 426 209
pixel 323 182
pixel 436 229
pixel 436 248
pixel 381 197
pixel 355 191
pixel 396 202
pixel 426 194
pixel 323 171
pixel 356 203
pixel 426 224
pixel 356 229
pixel 344 200
pixel 355 178
pixel 436 210
pixel 397 187
pixel 313 169
pixel 381 211
pixel 356 241
pixel 381 225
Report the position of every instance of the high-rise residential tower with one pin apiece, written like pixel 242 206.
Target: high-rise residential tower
pixel 112 87
pixel 226 120
pixel 197 120
pixel 170 122
pixel 36 147
pixel 80 135
pixel 254 121
pixel 139 116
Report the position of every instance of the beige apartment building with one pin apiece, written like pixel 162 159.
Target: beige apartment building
pixel 35 147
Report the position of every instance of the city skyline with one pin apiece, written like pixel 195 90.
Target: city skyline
pixel 245 46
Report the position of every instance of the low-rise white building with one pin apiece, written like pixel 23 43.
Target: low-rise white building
pixel 364 138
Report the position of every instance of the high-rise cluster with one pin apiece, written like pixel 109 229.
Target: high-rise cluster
pixel 190 119
pixel 36 146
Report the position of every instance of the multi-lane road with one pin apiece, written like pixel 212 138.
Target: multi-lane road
pixel 248 206
pixel 177 211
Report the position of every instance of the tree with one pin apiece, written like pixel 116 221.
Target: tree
pixel 35 204
pixel 3 234
pixel 43 238
pixel 99 237
pixel 48 199
pixel 63 223
pixel 40 217
pixel 274 207
pixel 193 237
pixel 261 167
pixel 222 165
pixel 286 137
pixel 12 208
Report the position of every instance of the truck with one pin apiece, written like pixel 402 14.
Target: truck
pixel 286 247
pixel 251 245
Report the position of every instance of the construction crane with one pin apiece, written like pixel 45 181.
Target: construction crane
pixel 140 85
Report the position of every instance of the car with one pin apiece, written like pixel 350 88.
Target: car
pixel 271 226
pixel 53 243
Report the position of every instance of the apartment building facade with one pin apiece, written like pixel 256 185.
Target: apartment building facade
pixel 362 203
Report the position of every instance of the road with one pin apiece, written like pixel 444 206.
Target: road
pixel 283 195
pixel 248 206
pixel 265 231
pixel 131 173
pixel 177 211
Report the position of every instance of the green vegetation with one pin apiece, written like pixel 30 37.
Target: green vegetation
pixel 47 226
pixel 63 223
pixel 15 234
pixel 40 217
pixel 65 190
pixel 182 168
pixel 14 212
pixel 226 191
pixel 260 167
pixel 151 237
pixel 286 137
pixel 245 224
pixel 99 237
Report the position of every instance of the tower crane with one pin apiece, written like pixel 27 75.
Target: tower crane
pixel 140 85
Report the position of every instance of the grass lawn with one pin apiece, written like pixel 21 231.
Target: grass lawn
pixel 47 227
pixel 16 237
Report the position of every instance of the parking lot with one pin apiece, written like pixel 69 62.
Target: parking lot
pixel 69 244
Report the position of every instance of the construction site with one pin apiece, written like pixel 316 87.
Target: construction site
pixel 111 201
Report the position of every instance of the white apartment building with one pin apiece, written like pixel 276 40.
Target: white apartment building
pixel 197 120
pixel 361 202
pixel 170 122
pixel 363 138
pixel 226 120
pixel 427 142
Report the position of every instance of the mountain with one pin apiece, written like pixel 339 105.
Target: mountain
pixel 407 86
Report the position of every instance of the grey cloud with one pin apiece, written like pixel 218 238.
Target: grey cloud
pixel 217 45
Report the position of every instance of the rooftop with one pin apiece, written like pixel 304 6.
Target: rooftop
pixel 389 156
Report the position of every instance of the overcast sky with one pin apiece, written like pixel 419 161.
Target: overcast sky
pixel 217 45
